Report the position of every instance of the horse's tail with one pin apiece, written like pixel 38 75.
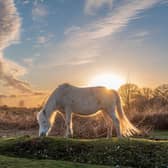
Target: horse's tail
pixel 126 127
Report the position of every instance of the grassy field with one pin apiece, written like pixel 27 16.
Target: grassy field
pixel 159 135
pixel 128 152
pixel 13 162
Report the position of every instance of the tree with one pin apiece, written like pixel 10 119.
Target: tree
pixel 129 93
pixel 147 93
pixel 143 100
pixel 161 94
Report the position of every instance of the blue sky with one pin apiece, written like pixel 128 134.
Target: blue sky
pixel 60 41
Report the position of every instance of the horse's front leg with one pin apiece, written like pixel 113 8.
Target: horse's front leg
pixel 68 123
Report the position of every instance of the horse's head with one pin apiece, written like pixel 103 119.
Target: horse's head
pixel 44 123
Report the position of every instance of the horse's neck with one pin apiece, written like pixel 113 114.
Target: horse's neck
pixel 50 106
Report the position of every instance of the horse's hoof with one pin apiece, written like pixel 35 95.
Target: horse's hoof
pixel 68 136
pixel 120 137
pixel 108 137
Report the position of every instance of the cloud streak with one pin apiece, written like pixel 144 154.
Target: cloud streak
pixel 9 73
pixel 10 24
pixel 88 41
pixel 91 6
pixel 39 11
pixel 117 19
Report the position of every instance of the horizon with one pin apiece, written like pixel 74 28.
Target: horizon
pixel 46 43
pixel 36 101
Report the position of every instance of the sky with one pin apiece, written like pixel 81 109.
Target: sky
pixel 44 43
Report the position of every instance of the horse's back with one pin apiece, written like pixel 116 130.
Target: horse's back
pixel 86 98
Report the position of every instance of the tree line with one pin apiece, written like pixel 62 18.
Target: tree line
pixel 141 99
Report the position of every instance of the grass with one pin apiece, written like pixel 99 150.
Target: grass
pixel 113 152
pixel 159 135
pixel 11 162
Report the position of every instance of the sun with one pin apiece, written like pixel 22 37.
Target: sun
pixel 109 81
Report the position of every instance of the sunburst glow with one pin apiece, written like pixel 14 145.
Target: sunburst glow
pixel 108 80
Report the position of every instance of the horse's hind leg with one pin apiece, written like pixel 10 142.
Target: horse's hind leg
pixel 68 123
pixel 109 124
pixel 113 116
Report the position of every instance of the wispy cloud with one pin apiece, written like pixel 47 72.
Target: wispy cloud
pixel 117 19
pixel 44 39
pixel 41 39
pixel 72 29
pixel 39 11
pixel 91 6
pixel 25 2
pixel 9 73
pixel 28 61
pixel 140 36
pixel 10 24
pixel 88 40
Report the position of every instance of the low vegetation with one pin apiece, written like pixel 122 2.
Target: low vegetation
pixel 22 121
pixel 18 118
pixel 13 162
pixel 114 152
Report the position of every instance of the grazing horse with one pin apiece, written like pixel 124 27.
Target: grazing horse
pixel 69 99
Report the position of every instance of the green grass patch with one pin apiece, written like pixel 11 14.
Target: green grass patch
pixel 10 162
pixel 158 134
pixel 115 152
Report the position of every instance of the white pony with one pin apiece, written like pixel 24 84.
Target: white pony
pixel 69 99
